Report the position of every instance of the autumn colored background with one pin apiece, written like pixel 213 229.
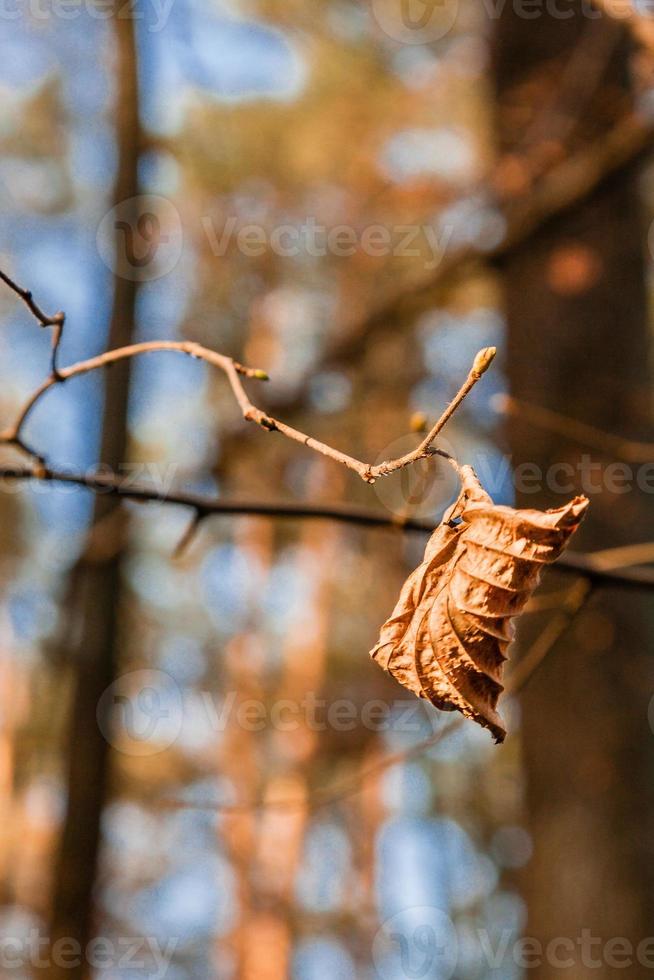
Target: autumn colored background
pixel 197 755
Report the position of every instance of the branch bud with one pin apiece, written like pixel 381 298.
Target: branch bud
pixel 260 375
pixel 483 360
pixel 418 422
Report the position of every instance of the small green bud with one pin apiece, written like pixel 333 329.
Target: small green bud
pixel 260 375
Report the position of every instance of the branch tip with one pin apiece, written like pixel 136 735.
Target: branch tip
pixel 483 360
pixel 189 534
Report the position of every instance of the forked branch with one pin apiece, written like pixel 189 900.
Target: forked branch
pixel 234 372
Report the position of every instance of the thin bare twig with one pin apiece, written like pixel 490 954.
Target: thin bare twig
pixel 630 450
pixel 203 506
pixel 189 534
pixel 56 321
pixel 234 371
pixel 626 555
pixel 32 305
pixel 576 599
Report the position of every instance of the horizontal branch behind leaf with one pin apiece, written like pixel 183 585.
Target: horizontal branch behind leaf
pixel 577 563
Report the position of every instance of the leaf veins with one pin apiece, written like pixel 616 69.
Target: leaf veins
pixel 448 636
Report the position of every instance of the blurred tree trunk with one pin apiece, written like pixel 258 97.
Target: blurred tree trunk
pixel 94 602
pixel 579 344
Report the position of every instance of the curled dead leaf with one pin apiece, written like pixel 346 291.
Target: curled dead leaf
pixel 447 638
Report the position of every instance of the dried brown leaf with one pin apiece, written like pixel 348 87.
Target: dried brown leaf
pixel 447 638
